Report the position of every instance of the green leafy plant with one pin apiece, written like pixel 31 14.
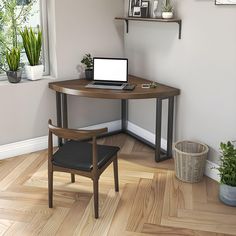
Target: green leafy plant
pixel 13 59
pixel 32 43
pixel 167 7
pixel 87 61
pixel 227 167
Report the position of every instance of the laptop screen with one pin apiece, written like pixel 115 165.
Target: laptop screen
pixel 110 69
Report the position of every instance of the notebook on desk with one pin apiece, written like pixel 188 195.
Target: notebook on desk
pixel 109 73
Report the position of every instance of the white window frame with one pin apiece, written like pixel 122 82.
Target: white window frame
pixel 45 47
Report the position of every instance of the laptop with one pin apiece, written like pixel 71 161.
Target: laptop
pixel 109 73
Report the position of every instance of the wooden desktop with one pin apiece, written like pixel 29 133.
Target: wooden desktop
pixel 160 93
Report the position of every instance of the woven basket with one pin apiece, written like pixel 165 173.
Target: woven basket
pixel 190 158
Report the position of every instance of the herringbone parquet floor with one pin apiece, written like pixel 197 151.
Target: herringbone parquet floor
pixel 151 200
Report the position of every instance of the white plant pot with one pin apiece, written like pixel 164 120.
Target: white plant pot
pixel 167 15
pixel 34 72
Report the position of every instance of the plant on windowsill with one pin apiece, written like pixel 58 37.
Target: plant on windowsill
pixel 32 43
pixel 13 61
pixel 88 62
pixel 227 171
pixel 167 10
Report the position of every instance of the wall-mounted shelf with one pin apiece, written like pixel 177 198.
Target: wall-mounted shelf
pixel 127 19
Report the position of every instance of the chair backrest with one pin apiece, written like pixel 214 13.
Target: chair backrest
pixel 73 134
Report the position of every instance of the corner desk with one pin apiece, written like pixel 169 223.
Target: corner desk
pixel 77 88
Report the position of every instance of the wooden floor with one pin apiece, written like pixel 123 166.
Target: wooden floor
pixel 151 200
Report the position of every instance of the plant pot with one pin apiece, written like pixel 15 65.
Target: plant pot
pixel 89 74
pixel 14 76
pixel 227 194
pixel 167 15
pixel 34 72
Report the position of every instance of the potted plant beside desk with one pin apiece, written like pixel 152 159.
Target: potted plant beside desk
pixel 227 171
pixel 88 62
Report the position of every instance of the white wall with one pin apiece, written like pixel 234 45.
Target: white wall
pixel 202 65
pixel 87 27
pixel 75 27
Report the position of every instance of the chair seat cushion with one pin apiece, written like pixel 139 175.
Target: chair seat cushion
pixel 79 155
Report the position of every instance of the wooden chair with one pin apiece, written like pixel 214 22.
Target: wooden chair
pixel 79 157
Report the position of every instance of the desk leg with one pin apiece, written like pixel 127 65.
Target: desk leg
pixel 64 112
pixel 59 115
pixel 158 129
pixel 170 126
pixel 124 114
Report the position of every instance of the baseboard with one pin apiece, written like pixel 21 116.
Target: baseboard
pixel 37 144
pixel 23 147
pixel 211 171
pixel 146 134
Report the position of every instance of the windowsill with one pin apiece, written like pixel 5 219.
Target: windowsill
pixel 45 79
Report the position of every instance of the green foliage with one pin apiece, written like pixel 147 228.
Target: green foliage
pixel 167 7
pixel 32 44
pixel 13 14
pixel 227 167
pixel 13 59
pixel 87 61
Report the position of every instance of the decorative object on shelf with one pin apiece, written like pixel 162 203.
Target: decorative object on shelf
pixel 155 9
pixel 32 43
pixel 227 169
pixel 225 2
pixel 134 8
pixel 167 10
pixel 137 12
pixel 190 158
pixel 88 62
pixel 145 9
pixel 13 61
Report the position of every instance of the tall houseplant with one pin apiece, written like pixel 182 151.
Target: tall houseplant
pixel 32 43
pixel 227 172
pixel 167 10
pixel 13 61
pixel 88 62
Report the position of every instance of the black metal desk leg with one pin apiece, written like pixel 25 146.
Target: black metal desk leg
pixel 170 126
pixel 158 129
pixel 59 115
pixel 124 114
pixel 64 112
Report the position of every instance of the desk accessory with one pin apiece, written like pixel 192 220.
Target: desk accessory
pixel 129 87
pixel 151 85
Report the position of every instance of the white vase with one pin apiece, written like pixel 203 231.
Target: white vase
pixel 34 72
pixel 167 15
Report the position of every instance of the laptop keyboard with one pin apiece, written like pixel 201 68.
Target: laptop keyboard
pixel 109 84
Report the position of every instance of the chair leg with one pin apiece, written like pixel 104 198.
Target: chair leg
pixel 115 167
pixel 50 189
pixel 95 192
pixel 72 178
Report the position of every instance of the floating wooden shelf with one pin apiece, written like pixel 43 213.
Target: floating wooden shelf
pixel 127 19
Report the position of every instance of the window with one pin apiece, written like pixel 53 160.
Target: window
pixel 15 15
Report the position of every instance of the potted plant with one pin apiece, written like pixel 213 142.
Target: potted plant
pixel 167 10
pixel 33 45
pixel 227 169
pixel 13 61
pixel 88 62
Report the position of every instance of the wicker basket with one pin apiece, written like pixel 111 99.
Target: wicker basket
pixel 190 158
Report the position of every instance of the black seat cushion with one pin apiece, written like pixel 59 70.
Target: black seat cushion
pixel 79 155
